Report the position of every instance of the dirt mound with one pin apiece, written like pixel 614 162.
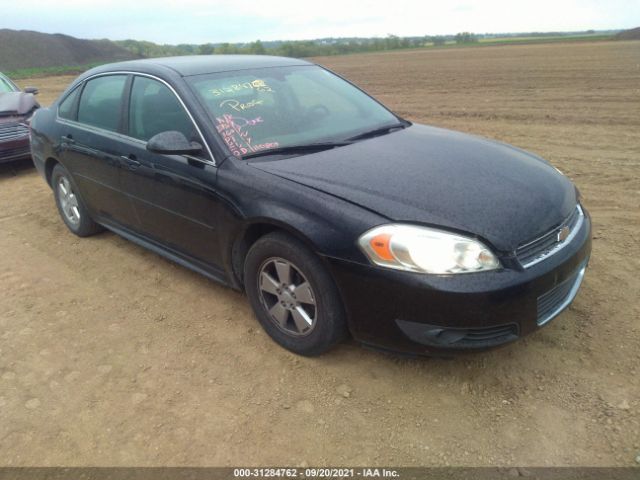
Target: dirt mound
pixel 631 34
pixel 27 49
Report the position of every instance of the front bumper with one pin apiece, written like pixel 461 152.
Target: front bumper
pixel 427 314
pixel 14 150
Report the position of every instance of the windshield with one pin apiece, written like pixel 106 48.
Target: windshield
pixel 6 85
pixel 274 108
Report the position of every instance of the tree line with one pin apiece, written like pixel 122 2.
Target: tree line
pixel 298 48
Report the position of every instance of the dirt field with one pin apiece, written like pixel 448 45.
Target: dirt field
pixel 110 355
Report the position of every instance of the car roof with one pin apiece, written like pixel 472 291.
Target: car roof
pixel 189 65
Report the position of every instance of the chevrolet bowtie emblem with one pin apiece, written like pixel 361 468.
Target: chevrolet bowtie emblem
pixel 563 233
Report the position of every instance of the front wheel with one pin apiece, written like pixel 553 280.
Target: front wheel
pixel 293 295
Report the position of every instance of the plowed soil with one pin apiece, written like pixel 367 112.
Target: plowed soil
pixel 111 355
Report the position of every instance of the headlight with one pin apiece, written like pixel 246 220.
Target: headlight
pixel 426 250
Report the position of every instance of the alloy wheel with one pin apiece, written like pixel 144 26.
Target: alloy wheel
pixel 68 201
pixel 287 296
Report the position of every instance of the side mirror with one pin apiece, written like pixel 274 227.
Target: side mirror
pixel 31 90
pixel 172 143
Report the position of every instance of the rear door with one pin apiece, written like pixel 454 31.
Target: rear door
pixel 91 127
pixel 174 196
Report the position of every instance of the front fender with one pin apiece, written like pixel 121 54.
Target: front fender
pixel 260 202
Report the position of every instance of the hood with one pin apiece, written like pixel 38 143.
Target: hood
pixel 441 178
pixel 17 103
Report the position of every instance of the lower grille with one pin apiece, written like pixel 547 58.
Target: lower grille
pixel 490 336
pixel 14 153
pixel 13 131
pixel 478 337
pixel 550 304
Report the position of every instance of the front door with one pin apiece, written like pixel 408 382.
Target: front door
pixel 174 196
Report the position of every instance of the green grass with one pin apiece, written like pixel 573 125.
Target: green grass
pixel 550 39
pixel 488 42
pixel 50 71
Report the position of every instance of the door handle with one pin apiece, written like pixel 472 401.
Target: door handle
pixel 131 162
pixel 68 139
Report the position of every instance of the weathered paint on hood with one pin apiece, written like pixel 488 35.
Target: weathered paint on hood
pixel 444 178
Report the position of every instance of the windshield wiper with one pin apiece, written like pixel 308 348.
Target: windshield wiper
pixel 309 147
pixel 378 131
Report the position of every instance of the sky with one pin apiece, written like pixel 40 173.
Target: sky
pixel 214 21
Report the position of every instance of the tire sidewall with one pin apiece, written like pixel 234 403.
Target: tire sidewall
pixel 330 318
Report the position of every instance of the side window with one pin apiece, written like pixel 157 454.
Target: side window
pixel 101 102
pixel 154 109
pixel 66 108
pixel 5 85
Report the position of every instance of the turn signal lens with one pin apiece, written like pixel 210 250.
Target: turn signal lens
pixel 381 244
pixel 426 250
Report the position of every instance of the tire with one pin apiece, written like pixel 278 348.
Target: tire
pixel 306 322
pixel 70 206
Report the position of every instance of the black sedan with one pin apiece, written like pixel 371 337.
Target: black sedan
pixel 336 216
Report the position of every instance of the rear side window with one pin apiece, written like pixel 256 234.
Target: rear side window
pixel 67 107
pixel 154 108
pixel 101 102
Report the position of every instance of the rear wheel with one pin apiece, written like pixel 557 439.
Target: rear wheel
pixel 70 205
pixel 293 295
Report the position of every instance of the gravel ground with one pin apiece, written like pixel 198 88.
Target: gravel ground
pixel 111 355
